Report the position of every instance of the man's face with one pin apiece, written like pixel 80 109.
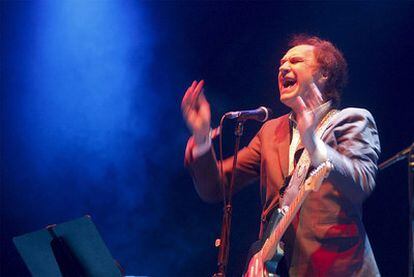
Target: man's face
pixel 298 68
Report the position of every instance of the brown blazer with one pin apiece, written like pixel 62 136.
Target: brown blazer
pixel 328 238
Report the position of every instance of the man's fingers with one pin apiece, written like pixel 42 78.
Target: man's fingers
pixel 199 87
pixel 197 90
pixel 313 99
pixel 188 94
pixel 190 97
pixel 313 104
pixel 193 84
pixel 193 100
pixel 301 105
pixel 316 93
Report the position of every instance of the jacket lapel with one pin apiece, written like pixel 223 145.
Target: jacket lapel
pixel 283 133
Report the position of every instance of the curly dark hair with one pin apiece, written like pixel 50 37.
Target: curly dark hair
pixel 331 62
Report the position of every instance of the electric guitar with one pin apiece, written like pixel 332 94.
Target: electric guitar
pixel 271 249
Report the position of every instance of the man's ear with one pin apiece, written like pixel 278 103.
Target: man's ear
pixel 323 77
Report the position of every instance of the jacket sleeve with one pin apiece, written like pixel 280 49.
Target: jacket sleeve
pixel 354 153
pixel 205 169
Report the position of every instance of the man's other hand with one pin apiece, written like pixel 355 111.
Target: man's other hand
pixel 308 116
pixel 196 112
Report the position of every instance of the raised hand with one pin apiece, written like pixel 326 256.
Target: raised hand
pixel 196 111
pixel 307 110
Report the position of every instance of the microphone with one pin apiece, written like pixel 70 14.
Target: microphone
pixel 260 114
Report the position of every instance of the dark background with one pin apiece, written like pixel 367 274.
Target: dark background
pixel 91 124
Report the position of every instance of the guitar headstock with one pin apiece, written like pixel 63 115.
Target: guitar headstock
pixel 316 177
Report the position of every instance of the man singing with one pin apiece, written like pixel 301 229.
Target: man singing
pixel 327 237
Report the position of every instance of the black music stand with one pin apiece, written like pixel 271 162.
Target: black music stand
pixel 73 248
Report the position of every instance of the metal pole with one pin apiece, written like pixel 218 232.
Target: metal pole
pixel 224 242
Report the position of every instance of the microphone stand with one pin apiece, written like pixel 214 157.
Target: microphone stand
pixel 409 154
pixel 224 242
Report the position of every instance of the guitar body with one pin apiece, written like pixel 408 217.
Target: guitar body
pixel 265 255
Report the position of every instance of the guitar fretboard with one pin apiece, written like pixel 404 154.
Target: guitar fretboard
pixel 270 245
pixel 312 183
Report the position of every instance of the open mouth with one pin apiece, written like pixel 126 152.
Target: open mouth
pixel 288 82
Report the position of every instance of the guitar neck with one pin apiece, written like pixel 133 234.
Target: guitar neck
pixel 270 245
pixel 311 184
